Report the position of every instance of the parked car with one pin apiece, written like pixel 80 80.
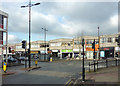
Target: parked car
pixel 23 58
pixel 10 59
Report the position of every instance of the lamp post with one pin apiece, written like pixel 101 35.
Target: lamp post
pixel 45 41
pixel 30 5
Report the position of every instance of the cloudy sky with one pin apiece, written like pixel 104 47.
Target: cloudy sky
pixel 62 19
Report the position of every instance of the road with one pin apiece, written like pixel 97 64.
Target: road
pixel 50 73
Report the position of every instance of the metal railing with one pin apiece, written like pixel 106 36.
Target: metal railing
pixel 103 63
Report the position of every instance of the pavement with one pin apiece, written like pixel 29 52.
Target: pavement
pixel 101 76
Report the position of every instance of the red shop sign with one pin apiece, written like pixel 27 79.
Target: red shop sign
pixel 106 48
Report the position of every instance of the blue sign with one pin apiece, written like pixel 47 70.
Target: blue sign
pixel 102 53
pixel 4 63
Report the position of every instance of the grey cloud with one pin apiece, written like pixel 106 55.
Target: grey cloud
pixel 78 17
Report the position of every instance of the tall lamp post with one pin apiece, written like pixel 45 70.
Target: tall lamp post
pixel 30 5
pixel 45 41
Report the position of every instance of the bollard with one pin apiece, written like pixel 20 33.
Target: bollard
pixel 36 63
pixel 4 67
pixel 50 59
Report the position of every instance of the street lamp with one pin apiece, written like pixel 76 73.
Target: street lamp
pixel 45 41
pixel 30 5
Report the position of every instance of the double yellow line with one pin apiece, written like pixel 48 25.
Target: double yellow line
pixel 70 80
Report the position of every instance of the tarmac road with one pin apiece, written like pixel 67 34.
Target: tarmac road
pixel 50 73
pixel 58 72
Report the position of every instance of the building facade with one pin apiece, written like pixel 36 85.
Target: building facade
pixel 3 30
pixel 106 47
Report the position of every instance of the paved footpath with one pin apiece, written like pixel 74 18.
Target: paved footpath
pixel 102 76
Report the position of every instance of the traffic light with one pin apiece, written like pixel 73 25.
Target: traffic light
pixel 9 49
pixel 93 45
pixel 83 42
pixel 24 44
pixel 118 40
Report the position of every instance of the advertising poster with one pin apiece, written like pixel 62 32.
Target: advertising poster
pixel 102 53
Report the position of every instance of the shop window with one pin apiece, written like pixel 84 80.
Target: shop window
pixel 116 38
pixel 109 40
pixel 96 42
pixel 75 43
pixel 68 44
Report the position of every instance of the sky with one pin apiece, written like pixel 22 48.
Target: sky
pixel 62 19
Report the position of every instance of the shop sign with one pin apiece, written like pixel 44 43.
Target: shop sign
pixel 66 50
pixel 117 48
pixel 102 53
pixel 76 50
pixel 43 52
pixel 54 50
pixel 106 48
pixel 35 52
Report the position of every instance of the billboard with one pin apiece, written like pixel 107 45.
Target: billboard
pixel 1 27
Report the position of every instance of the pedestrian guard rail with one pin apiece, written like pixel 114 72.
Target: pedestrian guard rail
pixel 97 64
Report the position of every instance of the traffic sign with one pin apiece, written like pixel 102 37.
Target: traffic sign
pixel 4 66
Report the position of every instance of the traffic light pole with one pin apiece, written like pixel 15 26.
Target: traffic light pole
pixel 83 70
pixel 25 59
pixel 94 55
pixel 24 47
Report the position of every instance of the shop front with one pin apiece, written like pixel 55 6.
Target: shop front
pixel 90 51
pixel 117 50
pixel 76 53
pixel 55 53
pixel 67 53
pixel 108 52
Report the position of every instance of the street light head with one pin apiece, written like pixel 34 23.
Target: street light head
pixel 22 6
pixel 37 4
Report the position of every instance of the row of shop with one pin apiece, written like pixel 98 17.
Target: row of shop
pixel 105 52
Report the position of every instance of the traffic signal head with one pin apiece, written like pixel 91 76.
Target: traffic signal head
pixel 24 44
pixel 93 45
pixel 83 42
pixel 9 49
